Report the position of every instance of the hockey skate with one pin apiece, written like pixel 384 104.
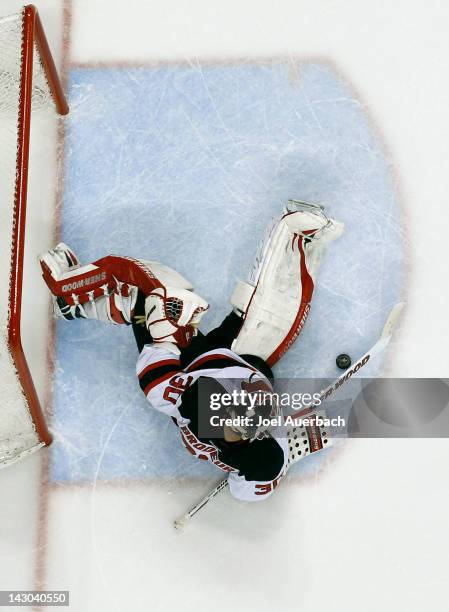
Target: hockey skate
pixel 314 224
pixel 58 263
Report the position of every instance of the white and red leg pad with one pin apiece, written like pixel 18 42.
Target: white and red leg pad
pixel 94 277
pixel 167 276
pixel 107 290
pixel 276 300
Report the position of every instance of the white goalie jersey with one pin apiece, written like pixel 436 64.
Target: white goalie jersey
pixel 255 468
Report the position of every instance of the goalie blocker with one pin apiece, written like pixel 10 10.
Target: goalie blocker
pixel 275 301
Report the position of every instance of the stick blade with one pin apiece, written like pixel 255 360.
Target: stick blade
pixel 392 320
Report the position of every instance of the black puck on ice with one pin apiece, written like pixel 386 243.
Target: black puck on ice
pixel 343 361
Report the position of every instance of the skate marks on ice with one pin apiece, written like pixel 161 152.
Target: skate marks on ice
pixel 187 164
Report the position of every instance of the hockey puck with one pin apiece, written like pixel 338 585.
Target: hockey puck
pixel 343 361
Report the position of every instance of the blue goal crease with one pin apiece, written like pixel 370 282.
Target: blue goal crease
pixel 187 166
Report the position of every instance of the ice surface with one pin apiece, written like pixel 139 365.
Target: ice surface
pixel 187 164
pixel 344 535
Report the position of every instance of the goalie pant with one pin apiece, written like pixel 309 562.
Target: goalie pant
pixel 170 383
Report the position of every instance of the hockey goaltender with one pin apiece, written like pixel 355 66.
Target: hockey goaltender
pixel 179 368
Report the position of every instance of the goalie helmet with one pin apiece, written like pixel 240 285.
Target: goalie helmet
pixel 251 404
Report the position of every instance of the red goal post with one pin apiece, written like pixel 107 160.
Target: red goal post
pixel 28 80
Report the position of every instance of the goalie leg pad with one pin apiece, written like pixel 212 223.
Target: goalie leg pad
pixel 88 292
pixel 107 290
pixel 116 307
pixel 276 300
pixel 168 276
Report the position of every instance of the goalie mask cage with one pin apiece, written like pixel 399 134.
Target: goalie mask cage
pixel 28 81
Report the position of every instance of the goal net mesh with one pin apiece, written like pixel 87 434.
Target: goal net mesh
pixel 18 435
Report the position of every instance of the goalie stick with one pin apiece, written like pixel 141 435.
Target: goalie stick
pixel 377 348
pixel 188 515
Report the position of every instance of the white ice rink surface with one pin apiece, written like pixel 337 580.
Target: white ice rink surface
pixel 367 531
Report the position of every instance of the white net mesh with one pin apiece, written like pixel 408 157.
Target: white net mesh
pixel 17 431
